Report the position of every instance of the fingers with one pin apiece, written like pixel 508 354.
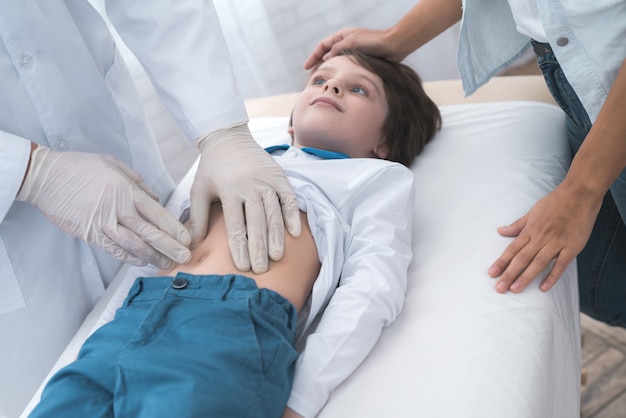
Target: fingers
pixel 119 253
pixel 161 242
pixel 318 53
pixel 157 215
pixel 147 242
pixel 256 229
pixel 513 230
pixel 315 57
pixel 291 212
pixel 256 224
pixel 143 231
pixel 558 268
pixel 159 229
pixel 522 261
pixel 235 221
pixel 326 49
pixel 126 245
pixel 275 226
pixel 524 266
pixel 200 204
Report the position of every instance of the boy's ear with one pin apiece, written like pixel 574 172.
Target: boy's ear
pixel 290 132
pixel 382 150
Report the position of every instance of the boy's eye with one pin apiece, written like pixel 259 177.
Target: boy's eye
pixel 319 82
pixel 359 90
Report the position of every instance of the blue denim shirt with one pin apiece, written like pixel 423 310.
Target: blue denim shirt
pixel 587 37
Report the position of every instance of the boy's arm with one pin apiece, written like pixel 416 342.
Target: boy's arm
pixel 370 292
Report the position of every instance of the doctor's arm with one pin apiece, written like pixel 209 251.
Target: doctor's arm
pixel 558 226
pixel 183 50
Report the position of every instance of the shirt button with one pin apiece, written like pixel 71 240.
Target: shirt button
pixel 26 61
pixel 292 154
pixel 63 145
pixel 562 41
pixel 179 283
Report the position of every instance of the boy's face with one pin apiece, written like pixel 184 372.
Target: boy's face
pixel 342 108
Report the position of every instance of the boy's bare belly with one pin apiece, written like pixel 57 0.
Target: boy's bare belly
pixel 292 277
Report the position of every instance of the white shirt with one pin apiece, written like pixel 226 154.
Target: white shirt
pixel 64 85
pixel 360 212
pixel 586 36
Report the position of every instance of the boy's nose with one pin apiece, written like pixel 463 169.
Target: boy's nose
pixel 333 88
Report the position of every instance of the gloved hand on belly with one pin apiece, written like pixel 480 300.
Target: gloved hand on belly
pixel 255 194
pixel 100 200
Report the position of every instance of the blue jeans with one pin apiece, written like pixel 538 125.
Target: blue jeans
pixel 602 263
pixel 190 346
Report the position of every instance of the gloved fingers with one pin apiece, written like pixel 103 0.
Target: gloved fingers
pixel 162 230
pixel 118 252
pixel 199 207
pixel 235 222
pixel 275 225
pixel 121 254
pixel 159 242
pixel 132 176
pixel 256 226
pixel 291 212
pixel 128 241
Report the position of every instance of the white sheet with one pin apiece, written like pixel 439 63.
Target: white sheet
pixel 458 349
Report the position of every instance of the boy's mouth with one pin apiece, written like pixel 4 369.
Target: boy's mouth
pixel 326 101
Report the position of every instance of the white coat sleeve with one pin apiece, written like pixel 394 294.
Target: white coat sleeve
pixel 14 156
pixel 371 289
pixel 181 46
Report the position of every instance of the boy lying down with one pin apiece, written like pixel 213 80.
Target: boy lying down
pixel 205 340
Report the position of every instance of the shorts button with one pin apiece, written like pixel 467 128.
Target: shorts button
pixel 179 283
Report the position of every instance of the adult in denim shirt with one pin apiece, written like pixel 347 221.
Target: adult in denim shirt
pixel 581 47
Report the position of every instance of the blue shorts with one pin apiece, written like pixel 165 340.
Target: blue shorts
pixel 189 346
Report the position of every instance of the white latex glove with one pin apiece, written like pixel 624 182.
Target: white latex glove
pixel 100 200
pixel 255 194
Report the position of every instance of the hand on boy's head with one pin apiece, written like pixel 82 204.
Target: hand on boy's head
pixel 369 41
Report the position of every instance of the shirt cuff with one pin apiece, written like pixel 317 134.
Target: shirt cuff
pixel 14 156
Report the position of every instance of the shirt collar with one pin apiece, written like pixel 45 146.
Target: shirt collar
pixel 324 154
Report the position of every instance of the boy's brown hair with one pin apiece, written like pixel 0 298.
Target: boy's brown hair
pixel 413 118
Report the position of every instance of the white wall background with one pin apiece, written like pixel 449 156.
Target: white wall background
pixel 270 39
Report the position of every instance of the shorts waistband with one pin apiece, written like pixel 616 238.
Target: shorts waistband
pixel 207 287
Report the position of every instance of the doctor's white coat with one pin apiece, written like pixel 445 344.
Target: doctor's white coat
pixel 63 84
